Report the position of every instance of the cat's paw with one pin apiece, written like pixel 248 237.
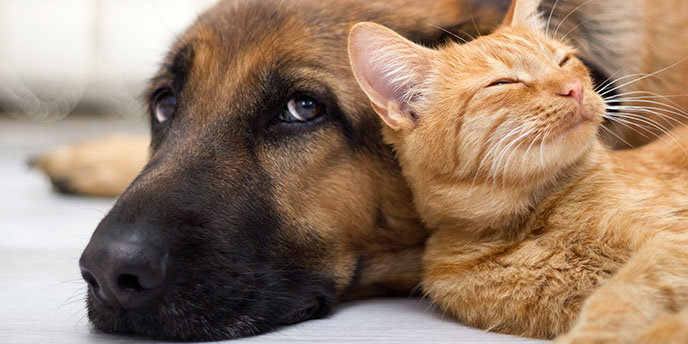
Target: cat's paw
pixel 101 168
pixel 669 329
pixel 581 337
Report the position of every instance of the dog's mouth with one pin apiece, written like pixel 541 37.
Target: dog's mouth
pixel 196 320
pixel 313 308
pixel 201 293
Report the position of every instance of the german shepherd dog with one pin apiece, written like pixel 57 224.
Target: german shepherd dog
pixel 269 195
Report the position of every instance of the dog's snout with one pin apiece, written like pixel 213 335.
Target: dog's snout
pixel 124 273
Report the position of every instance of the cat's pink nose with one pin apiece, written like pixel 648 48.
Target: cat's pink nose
pixel 573 89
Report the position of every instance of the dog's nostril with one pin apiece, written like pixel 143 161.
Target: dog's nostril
pixel 90 279
pixel 130 282
pixel 126 273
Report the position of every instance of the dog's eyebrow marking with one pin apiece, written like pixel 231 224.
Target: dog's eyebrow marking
pixel 180 66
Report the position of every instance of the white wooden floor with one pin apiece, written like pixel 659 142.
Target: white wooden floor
pixel 42 235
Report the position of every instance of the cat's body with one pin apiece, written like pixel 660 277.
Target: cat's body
pixel 538 228
pixel 533 278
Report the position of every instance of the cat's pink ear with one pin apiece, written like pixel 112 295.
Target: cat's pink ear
pixel 524 13
pixel 389 68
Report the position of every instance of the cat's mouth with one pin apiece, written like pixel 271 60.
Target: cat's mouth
pixel 573 122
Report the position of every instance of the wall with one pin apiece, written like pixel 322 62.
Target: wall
pixel 55 54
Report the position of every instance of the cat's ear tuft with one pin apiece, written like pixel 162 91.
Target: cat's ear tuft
pixel 525 13
pixel 389 68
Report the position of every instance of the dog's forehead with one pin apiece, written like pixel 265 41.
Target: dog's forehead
pixel 241 47
pixel 240 50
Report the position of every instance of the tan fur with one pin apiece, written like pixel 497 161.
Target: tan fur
pixel 538 228
pixel 631 37
pixel 100 168
pixel 634 39
pixel 388 259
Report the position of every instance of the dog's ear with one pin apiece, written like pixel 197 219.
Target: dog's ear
pixel 524 13
pixel 389 68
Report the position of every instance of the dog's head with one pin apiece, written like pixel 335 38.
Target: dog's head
pixel 269 194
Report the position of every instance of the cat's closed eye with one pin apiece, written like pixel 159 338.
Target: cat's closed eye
pixel 502 82
pixel 565 60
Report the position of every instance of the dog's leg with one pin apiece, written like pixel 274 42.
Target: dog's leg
pixel 102 168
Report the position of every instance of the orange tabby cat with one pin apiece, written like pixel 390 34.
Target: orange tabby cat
pixel 538 228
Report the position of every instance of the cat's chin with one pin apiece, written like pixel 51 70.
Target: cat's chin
pixel 578 128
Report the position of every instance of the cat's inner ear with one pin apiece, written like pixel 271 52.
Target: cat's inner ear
pixel 525 13
pixel 389 68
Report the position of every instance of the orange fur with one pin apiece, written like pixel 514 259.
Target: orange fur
pixel 538 228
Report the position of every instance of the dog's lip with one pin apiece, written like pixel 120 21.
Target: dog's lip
pixel 305 312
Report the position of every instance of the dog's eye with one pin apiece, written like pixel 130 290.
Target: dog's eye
pixel 165 106
pixel 302 109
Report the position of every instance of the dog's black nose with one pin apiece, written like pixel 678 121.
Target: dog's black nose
pixel 124 273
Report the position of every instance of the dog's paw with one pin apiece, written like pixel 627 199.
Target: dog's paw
pixel 101 168
pixel 580 337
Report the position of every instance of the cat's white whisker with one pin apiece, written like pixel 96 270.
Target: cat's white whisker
pixel 568 15
pixel 494 168
pixel 609 131
pixel 448 32
pixel 514 148
pixel 487 155
pixel 612 83
pixel 661 112
pixel 640 118
pixel 644 95
pixel 669 103
pixel 668 97
pixel 563 38
pixel 525 159
pixel 645 77
pixel 549 18
pixel 630 125
pixel 606 83
pixel 470 10
pixel 532 143
pixel 634 118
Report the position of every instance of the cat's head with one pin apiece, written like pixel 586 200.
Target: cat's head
pixel 511 105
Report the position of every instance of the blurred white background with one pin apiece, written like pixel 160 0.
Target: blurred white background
pixel 57 54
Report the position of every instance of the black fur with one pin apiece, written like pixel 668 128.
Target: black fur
pixel 204 197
